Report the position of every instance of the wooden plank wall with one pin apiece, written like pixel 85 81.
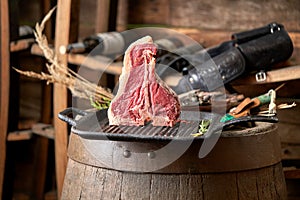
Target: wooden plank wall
pixel 215 14
pixel 4 88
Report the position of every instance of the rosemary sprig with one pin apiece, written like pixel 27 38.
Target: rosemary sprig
pixel 203 127
pixel 99 105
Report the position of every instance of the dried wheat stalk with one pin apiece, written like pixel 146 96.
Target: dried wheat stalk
pixel 61 74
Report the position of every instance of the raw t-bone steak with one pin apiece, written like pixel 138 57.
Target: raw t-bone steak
pixel 142 96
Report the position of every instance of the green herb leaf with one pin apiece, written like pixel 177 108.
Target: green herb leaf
pixel 98 105
pixel 203 127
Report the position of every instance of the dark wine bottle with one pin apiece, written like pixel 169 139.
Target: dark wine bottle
pixel 79 47
pixel 25 32
pixel 177 58
pixel 106 43
pixel 102 43
pixel 168 44
pixel 114 43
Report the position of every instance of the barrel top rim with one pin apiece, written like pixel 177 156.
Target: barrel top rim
pixel 260 128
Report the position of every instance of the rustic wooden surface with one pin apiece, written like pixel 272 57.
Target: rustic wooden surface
pixel 283 74
pixel 63 17
pixel 21 132
pixel 41 158
pixel 21 44
pixel 150 12
pixel 4 86
pixel 122 15
pixel 19 135
pixel 288 129
pixel 102 17
pixel 289 90
pixel 293 189
pixel 215 14
pixel 87 182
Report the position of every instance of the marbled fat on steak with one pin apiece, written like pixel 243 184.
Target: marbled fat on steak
pixel 142 96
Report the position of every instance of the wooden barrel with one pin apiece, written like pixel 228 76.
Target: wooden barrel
pixel 244 164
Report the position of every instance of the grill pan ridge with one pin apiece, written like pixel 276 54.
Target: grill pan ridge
pixel 95 125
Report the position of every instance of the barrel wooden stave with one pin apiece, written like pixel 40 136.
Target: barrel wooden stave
pixel 88 182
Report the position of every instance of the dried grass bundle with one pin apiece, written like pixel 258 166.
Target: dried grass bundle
pixel 61 74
